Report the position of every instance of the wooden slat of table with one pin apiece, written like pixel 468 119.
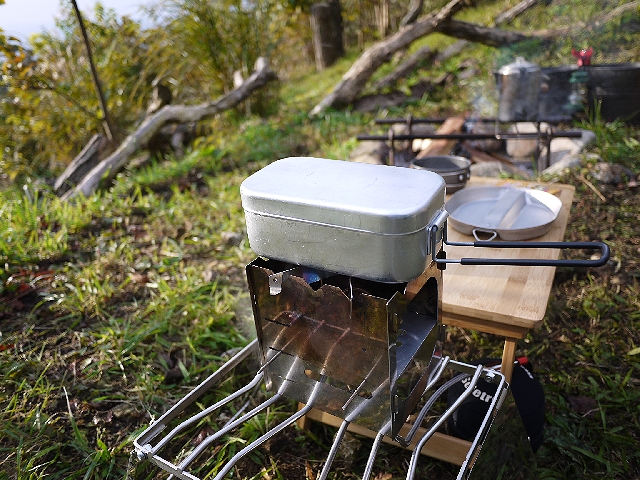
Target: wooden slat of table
pixel 511 299
pixel 443 447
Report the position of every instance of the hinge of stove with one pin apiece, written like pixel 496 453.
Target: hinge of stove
pixel 275 283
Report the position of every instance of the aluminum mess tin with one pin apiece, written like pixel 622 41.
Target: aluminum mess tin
pixel 362 220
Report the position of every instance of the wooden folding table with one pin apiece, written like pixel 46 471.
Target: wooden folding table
pixel 507 301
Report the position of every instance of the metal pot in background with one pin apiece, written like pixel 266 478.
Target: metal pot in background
pixel 610 87
pixel 518 89
pixel 455 170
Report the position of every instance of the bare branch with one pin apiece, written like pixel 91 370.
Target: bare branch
pixel 619 11
pixel 169 113
pixel 493 37
pixel 512 13
pixel 467 32
pixel 107 123
pixel 372 58
pixel 421 57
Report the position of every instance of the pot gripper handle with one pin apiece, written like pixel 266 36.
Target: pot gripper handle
pixel 531 262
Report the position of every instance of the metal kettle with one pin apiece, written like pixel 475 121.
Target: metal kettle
pixel 518 89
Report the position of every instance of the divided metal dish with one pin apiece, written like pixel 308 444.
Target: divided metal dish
pixel 510 213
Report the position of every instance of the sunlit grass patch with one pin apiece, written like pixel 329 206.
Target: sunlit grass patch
pixel 145 306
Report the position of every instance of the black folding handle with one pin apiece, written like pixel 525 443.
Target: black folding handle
pixel 605 253
pixel 441 259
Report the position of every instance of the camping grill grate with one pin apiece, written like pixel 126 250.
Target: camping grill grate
pixel 546 132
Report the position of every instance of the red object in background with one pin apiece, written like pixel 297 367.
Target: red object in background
pixel 583 56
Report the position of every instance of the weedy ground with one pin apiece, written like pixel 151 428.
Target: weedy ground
pixel 113 307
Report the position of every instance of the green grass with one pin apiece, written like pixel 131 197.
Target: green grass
pixel 114 306
pixel 616 141
pixel 153 280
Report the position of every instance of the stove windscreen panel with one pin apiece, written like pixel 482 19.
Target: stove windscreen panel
pixel 347 342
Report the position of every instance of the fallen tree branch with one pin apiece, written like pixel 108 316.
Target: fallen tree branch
pixel 411 64
pixel 593 188
pixel 108 167
pixel 372 58
pixel 415 10
pixel 619 11
pixel 348 89
pixel 419 58
pixel 493 37
pixel 81 165
pixel 514 12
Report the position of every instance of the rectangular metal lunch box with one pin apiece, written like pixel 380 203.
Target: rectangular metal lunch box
pixel 368 221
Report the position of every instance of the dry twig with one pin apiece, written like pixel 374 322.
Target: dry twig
pixel 592 187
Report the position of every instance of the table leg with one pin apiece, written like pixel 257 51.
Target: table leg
pixel 508 357
pixel 304 423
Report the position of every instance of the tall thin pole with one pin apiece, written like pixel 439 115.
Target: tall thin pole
pixel 106 123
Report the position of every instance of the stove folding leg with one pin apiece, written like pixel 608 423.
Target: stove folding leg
pixel 226 429
pixel 334 449
pixel 373 454
pixel 229 465
pixel 478 441
pixel 424 435
pixel 336 443
pixel 250 386
pixel 405 441
pixel 142 443
pixel 423 440
pixel 150 453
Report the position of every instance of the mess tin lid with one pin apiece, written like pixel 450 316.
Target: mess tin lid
pixel 373 198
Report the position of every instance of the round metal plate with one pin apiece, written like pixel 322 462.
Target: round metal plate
pixel 512 213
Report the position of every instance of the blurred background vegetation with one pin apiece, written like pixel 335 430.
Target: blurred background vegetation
pixel 48 108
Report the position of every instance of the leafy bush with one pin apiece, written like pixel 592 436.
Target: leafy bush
pixel 50 109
